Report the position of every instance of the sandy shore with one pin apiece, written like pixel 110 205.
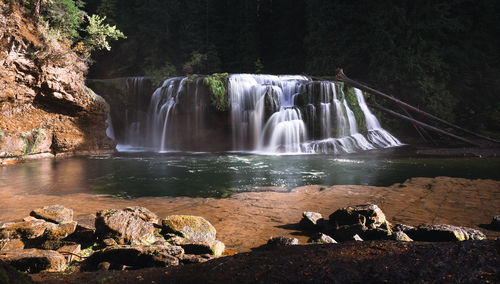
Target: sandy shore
pixel 248 220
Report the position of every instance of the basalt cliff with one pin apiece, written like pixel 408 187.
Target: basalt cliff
pixel 44 104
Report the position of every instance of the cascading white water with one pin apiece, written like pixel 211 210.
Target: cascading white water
pixel 247 102
pixel 267 114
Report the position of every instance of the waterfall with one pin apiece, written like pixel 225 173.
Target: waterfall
pixel 266 114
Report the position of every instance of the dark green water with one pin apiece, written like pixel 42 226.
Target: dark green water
pixel 130 175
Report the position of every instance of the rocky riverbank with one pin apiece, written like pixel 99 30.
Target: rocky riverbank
pixel 49 240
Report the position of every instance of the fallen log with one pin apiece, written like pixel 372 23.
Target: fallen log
pixel 340 76
pixel 424 125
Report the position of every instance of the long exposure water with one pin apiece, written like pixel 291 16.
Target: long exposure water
pixel 130 175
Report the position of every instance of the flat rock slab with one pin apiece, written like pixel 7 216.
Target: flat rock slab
pixel 53 213
pixel 34 260
pixel 445 233
pixel 26 230
pixel 190 227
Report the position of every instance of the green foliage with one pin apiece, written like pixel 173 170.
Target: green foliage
pixel 65 16
pixel 196 64
pixel 259 66
pixel 352 101
pixel 158 75
pixel 217 85
pixel 99 33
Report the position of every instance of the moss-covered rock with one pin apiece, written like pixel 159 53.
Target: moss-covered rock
pixel 190 227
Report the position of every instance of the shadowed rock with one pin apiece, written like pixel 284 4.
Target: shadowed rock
pixel 215 248
pixel 400 236
pixel 34 260
pixel 495 223
pixel 281 241
pixel 136 256
pixel 310 220
pixel 445 233
pixel 321 238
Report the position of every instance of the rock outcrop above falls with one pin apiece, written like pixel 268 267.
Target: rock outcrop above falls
pixel 44 103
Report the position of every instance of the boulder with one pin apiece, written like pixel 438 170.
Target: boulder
pixel 85 230
pixel 143 213
pixel 11 244
pixel 445 233
pixel 282 241
pixel 369 215
pixel 400 236
pixel 26 230
pixel 310 220
pixel 403 228
pixel 189 227
pixel 321 238
pixel 346 232
pixel 125 227
pixel 53 213
pixel 495 223
pixel 34 260
pixel 60 231
pixel 136 256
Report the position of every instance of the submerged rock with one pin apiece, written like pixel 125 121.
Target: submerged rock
pixel 310 220
pixel 321 238
pixel 124 227
pixel 54 213
pixel 34 260
pixel 445 233
pixel 194 228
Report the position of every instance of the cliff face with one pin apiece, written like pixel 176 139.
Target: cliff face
pixel 44 104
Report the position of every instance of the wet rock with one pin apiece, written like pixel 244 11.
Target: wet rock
pixel 215 248
pixel 310 220
pixel 400 236
pixel 11 244
pixel 32 229
pixel 282 241
pixel 190 227
pixel 445 233
pixel 495 223
pixel 369 215
pixel 136 256
pixel 124 227
pixel 34 260
pixel 321 238
pixel 143 213
pixel 54 213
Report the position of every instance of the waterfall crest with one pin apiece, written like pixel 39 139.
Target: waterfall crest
pixel 266 114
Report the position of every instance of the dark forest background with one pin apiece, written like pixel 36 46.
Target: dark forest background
pixel 441 56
